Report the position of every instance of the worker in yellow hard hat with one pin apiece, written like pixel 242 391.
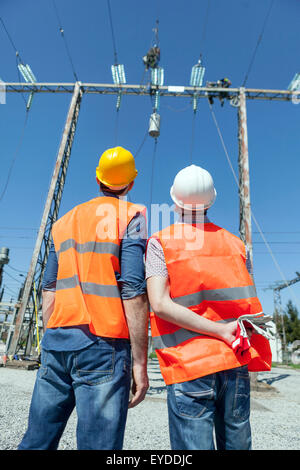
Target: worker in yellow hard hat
pixel 116 168
pixel 95 316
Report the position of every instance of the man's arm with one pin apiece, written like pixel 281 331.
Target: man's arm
pixel 136 312
pixel 49 286
pixel 164 307
pixel 48 299
pixel 133 292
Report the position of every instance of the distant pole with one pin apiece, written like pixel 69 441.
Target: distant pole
pixel 244 188
pixel 49 216
pixel 244 179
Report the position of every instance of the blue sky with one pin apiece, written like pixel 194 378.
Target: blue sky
pixel 227 44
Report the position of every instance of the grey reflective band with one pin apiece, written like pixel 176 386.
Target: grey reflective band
pixel 178 337
pixel 88 287
pixel 229 293
pixel 90 247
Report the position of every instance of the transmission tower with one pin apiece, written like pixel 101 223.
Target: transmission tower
pixel 278 312
pixel 22 329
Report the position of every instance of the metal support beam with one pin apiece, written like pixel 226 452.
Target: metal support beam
pixel 43 241
pixel 164 90
pixel 244 183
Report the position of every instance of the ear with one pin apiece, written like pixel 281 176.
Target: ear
pixel 131 185
pixel 98 182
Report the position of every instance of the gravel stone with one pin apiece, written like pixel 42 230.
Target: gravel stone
pixel 275 412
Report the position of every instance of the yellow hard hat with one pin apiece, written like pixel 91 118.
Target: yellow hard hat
pixel 116 168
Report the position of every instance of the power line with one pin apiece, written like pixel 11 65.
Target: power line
pixel 18 228
pixel 17 270
pixel 10 39
pixel 258 43
pixel 62 32
pixel 112 33
pixel 204 30
pixel 141 145
pixel 18 56
pixel 152 172
pixel 193 137
pixel 9 275
pixel 281 243
pixel 15 155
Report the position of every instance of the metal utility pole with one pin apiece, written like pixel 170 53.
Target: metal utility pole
pixel 279 313
pixel 244 179
pixel 43 241
pixel 42 246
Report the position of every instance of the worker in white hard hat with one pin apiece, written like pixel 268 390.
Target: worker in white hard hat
pixel 197 291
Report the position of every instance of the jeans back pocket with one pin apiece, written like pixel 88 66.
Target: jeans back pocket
pixel 96 363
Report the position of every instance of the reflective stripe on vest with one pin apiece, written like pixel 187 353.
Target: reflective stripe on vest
pixel 87 242
pixel 216 295
pixel 88 287
pixel 88 247
pixel 174 339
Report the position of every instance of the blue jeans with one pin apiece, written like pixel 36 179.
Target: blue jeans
pixel 217 403
pixel 97 381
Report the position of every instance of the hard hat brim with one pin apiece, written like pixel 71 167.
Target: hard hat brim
pixel 192 207
pixel 115 186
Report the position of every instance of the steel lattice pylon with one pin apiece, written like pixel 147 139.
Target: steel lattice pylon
pixel 23 317
pixel 24 311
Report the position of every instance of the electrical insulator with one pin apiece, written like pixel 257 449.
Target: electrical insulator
pixel 295 83
pixel 29 78
pixel 4 258
pixel 195 102
pixel 119 101
pixel 29 102
pixel 118 74
pixel 197 75
pixel 154 125
pixel 27 73
pixel 157 76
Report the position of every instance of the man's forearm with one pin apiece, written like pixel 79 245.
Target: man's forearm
pixel 47 306
pixel 136 312
pixel 164 307
pixel 185 318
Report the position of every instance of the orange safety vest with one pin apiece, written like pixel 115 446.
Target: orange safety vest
pixel 87 242
pixel 211 279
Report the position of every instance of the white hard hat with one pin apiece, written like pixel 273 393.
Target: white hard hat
pixel 193 187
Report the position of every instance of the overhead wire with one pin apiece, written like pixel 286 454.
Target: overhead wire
pixel 16 280
pixel 112 32
pixel 10 39
pixel 62 32
pixel 258 42
pixel 252 214
pixel 18 55
pixel 20 141
pixel 115 63
pixel 16 153
pixel 204 30
pixel 152 175
pixel 203 38
pixel 15 269
pixel 193 137
pixel 141 145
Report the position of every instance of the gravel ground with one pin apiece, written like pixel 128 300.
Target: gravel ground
pixel 275 413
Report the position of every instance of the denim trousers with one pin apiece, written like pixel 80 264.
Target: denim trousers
pixel 211 412
pixel 95 380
